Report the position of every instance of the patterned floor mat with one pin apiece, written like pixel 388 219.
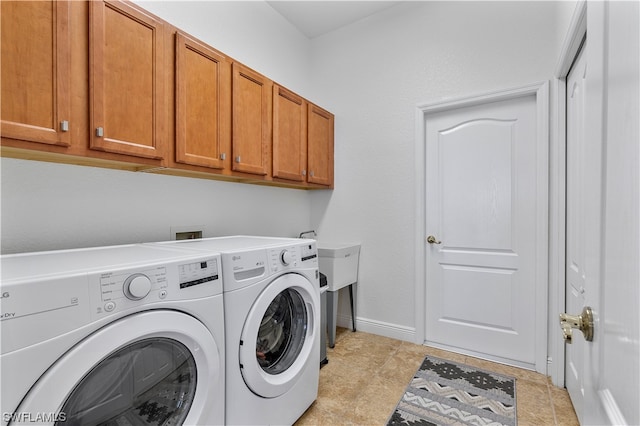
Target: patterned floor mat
pixel 447 393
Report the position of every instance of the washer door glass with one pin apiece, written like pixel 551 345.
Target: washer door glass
pixel 149 382
pixel 282 332
pixel 281 335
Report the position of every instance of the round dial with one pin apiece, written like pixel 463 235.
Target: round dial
pixel 285 257
pixel 137 286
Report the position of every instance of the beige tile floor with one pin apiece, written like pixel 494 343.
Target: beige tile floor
pixel 367 374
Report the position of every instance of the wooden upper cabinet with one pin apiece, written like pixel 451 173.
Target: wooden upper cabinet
pixel 251 117
pixel 36 71
pixel 102 83
pixel 127 87
pixel 320 146
pixel 289 135
pixel 203 104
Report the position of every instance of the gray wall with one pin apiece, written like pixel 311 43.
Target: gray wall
pixel 372 75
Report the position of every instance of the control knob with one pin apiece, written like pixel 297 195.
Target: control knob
pixel 137 286
pixel 285 257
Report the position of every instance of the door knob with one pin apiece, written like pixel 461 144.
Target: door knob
pixel 582 322
pixel 432 240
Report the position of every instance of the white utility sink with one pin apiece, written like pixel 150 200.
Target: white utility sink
pixel 339 262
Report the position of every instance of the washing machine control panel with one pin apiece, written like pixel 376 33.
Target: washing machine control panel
pixel 292 256
pixel 137 286
pixel 286 257
pixel 282 258
pixel 119 290
pixel 309 252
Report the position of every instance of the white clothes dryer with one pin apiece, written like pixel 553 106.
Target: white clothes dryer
pixel 122 335
pixel 272 326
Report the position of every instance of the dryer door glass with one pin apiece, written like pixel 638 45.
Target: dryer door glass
pixel 149 382
pixel 282 332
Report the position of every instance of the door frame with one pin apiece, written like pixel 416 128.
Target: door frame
pixel 557 196
pixel 541 91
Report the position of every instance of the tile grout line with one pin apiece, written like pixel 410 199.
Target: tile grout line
pixel 553 406
pixel 376 372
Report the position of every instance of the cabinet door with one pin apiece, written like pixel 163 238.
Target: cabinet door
pixel 320 146
pixel 203 104
pixel 289 135
pixel 35 71
pixel 126 80
pixel 251 121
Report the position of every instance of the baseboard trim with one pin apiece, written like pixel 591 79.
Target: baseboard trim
pixel 394 331
pixel 480 355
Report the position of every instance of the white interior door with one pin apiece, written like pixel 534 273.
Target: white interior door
pixel 614 364
pixel 577 232
pixel 607 389
pixel 485 199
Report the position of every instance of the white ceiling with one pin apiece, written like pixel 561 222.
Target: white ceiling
pixel 314 18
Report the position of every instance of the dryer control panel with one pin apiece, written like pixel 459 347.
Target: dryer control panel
pixel 69 289
pixel 197 273
pixel 118 290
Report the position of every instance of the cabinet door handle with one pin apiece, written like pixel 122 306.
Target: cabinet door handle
pixel 237 159
pixel 304 172
pixel 311 173
pixel 223 156
pixel 99 132
pixel 64 126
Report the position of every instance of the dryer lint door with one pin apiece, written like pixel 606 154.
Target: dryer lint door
pixel 151 367
pixel 278 335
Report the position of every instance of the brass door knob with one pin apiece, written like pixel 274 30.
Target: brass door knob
pixel 432 240
pixel 582 322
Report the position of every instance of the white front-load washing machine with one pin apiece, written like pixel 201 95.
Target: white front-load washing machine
pixel 122 335
pixel 272 326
